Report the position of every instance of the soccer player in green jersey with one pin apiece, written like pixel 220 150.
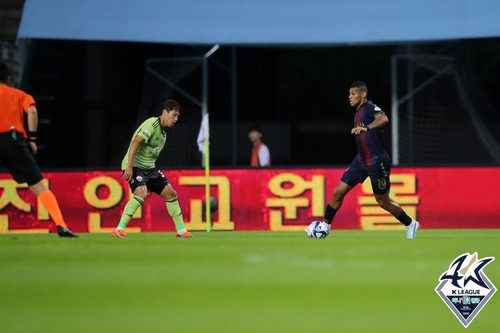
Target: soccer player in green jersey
pixel 140 170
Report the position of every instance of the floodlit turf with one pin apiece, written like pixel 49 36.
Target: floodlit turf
pixel 352 281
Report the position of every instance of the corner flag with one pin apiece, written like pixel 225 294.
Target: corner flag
pixel 203 135
pixel 204 148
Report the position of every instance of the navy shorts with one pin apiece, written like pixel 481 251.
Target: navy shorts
pixel 379 174
pixel 153 179
pixel 17 157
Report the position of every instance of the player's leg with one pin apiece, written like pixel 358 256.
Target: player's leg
pixel 140 193
pixel 336 200
pixel 159 184
pixel 173 208
pixel 332 207
pixel 392 207
pixel 379 174
pixel 395 209
pixel 351 177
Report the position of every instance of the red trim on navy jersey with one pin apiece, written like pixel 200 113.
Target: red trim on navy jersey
pixel 362 137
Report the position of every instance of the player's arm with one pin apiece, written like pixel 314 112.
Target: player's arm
pixel 32 122
pixel 380 119
pixel 134 146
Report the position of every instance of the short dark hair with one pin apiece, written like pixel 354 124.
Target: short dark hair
pixel 4 72
pixel 254 128
pixel 360 85
pixel 170 105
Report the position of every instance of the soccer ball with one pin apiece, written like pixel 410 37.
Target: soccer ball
pixel 318 229
pixel 213 204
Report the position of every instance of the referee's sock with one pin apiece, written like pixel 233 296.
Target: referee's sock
pixel 49 201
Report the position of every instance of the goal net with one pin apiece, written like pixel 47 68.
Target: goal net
pixel 180 79
pixel 438 113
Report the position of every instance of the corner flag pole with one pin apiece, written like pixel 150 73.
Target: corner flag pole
pixel 203 142
pixel 207 136
pixel 208 212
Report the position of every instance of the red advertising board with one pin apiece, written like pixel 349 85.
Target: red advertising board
pixel 259 199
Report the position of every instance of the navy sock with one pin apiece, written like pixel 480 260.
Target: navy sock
pixel 404 218
pixel 329 214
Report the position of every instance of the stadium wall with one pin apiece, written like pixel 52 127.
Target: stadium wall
pixel 259 199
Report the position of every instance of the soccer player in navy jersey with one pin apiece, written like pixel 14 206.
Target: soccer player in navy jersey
pixel 370 161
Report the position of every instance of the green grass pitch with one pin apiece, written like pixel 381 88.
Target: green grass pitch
pixel 352 281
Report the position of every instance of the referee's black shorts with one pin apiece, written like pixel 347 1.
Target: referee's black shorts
pixel 18 158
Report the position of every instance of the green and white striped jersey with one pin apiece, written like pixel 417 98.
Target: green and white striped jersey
pixel 148 152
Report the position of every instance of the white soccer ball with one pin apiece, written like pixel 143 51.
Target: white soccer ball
pixel 318 230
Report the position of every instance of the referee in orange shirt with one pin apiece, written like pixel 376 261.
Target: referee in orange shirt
pixel 18 145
